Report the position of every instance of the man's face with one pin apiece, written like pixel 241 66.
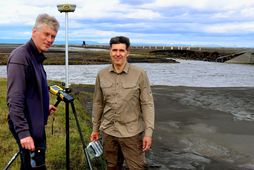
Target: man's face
pixel 43 37
pixel 119 54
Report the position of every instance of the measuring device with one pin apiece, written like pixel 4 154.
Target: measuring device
pixel 59 92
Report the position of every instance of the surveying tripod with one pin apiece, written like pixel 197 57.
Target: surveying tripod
pixel 63 95
pixel 11 160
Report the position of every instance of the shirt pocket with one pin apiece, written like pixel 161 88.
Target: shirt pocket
pixel 106 87
pixel 106 84
pixel 130 91
pixel 129 85
pixel 130 107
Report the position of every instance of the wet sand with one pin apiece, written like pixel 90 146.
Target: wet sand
pixel 196 129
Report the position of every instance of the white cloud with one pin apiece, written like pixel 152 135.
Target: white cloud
pixel 21 12
pixel 248 12
pixel 90 9
pixel 209 5
pixel 231 28
pixel 143 14
pixel 144 21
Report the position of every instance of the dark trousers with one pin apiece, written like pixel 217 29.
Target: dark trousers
pixel 129 149
pixel 31 160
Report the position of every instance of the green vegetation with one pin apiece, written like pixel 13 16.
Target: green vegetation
pixel 144 54
pixel 55 156
pixel 77 58
pixel 86 56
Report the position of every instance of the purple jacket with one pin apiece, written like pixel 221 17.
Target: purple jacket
pixel 27 94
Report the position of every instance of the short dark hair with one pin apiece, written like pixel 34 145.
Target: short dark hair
pixel 120 40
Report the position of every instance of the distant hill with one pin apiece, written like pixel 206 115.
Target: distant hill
pixel 80 42
pixel 12 41
pixel 21 41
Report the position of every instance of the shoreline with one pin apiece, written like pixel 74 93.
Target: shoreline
pixel 193 132
pixel 195 128
pixel 79 54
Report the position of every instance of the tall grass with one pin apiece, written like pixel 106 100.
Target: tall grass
pixel 55 155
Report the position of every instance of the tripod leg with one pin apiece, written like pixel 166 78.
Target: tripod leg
pixel 67 136
pixel 11 160
pixel 53 116
pixel 57 102
pixel 81 136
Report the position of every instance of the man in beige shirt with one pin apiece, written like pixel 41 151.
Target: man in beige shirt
pixel 123 109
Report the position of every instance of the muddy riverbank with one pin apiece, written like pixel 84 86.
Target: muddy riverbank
pixel 196 129
pixel 199 129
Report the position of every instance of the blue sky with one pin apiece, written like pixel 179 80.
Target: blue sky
pixel 226 23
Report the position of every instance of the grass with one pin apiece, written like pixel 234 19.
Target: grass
pixel 55 155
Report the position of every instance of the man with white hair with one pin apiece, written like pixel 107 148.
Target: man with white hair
pixel 27 93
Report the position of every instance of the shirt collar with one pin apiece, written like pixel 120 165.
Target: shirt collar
pixel 40 57
pixel 125 69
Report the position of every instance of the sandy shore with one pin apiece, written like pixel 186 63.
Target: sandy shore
pixel 203 128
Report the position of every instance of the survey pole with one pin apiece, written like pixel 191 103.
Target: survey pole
pixel 66 8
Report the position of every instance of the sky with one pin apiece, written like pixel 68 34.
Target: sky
pixel 224 23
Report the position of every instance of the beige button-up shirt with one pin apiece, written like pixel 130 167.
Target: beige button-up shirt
pixel 123 103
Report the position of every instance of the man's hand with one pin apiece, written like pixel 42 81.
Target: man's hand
pixel 27 143
pixel 147 143
pixel 52 109
pixel 94 136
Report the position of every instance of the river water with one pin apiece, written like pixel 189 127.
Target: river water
pixel 196 74
pixel 185 73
